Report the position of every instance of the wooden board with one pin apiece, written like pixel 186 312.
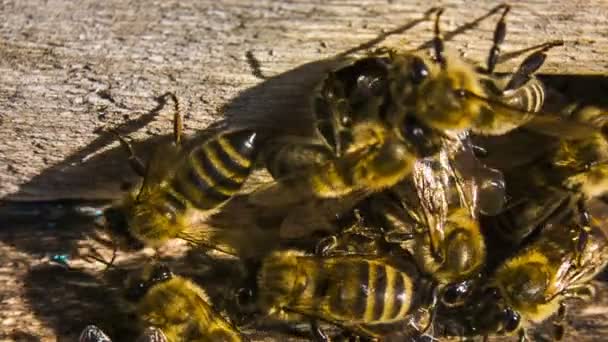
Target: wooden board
pixel 71 70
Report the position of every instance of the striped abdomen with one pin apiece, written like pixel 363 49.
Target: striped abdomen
pixel 356 290
pixel 213 172
pixel 529 97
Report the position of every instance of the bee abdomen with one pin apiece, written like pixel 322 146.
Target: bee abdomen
pixel 529 97
pixel 372 293
pixel 215 171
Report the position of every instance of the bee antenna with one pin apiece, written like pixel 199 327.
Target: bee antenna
pixel 94 255
pixel 438 40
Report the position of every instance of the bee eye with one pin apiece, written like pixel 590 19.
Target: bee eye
pixel 422 139
pixel 160 274
pixel 511 320
pixel 419 71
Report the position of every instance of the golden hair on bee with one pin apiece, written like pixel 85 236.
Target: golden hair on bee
pixel 364 294
pixel 182 184
pixel 178 307
pixel 535 283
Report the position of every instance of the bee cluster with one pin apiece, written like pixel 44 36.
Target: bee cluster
pixel 427 210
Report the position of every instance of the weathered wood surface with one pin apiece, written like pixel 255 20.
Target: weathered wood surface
pixel 72 69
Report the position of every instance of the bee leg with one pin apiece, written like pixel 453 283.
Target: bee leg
pixel 584 292
pixel 326 245
pixel 178 125
pixel 583 233
pixel 114 253
pixel 94 255
pixel 558 323
pixel 529 66
pixel 93 334
pixel 499 37
pixel 317 332
pixel 432 308
pixel 136 164
pixel 438 41
pixel 522 335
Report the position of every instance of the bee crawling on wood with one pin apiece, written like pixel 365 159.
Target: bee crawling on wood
pixel 370 296
pixel 170 308
pixel 181 184
pixel 376 115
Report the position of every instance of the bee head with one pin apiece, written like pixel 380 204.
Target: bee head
pixel 422 139
pixel 114 221
pixel 441 96
pixel 151 275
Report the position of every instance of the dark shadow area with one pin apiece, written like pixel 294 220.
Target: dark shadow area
pixel 68 300
pixel 585 89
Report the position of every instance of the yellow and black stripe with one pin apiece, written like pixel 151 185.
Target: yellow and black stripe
pixel 212 172
pixel 365 291
pixel 529 97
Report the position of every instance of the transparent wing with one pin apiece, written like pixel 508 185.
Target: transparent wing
pixel 152 334
pixel 93 334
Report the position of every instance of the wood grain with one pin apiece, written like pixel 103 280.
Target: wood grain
pixel 70 70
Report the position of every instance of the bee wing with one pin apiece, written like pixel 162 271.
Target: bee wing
pixel 523 147
pixel 593 258
pixel 481 188
pixel 201 234
pixel 152 334
pixel 560 127
pixel 93 334
pixel 318 215
pixel 161 165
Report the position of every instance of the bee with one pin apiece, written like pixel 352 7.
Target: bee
pixel 536 281
pixel 565 175
pixel 170 308
pixel 377 115
pixel 433 215
pixel 181 184
pixel 370 296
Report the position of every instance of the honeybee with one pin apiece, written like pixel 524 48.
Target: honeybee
pixel 536 281
pixel 181 184
pixel 370 296
pixel 564 176
pixel 377 115
pixel 170 308
pixel 434 214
